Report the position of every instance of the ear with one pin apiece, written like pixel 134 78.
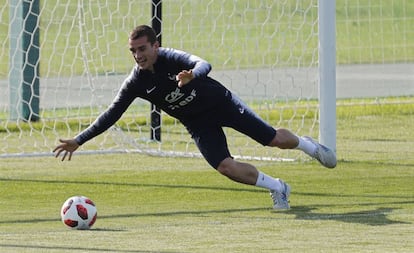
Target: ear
pixel 156 45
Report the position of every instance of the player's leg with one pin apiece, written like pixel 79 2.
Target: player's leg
pixel 243 119
pixel 285 139
pixel 211 141
pixel 248 174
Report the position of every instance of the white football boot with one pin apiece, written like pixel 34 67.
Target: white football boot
pixel 281 199
pixel 323 154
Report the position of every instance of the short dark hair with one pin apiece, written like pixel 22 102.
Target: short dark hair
pixel 142 31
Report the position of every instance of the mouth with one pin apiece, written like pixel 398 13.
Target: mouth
pixel 141 61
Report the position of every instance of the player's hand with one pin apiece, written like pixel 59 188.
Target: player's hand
pixel 184 77
pixel 67 147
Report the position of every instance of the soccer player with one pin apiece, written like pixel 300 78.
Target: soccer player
pixel 178 83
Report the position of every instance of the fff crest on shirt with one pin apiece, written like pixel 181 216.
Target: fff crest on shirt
pixel 174 96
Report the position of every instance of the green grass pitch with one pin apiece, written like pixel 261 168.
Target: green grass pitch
pixel 150 204
pixel 170 205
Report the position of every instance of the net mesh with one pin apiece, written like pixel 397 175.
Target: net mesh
pixel 265 51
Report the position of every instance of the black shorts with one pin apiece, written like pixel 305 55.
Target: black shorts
pixel 207 130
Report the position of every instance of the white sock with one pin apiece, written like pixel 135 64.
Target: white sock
pixel 268 182
pixel 306 146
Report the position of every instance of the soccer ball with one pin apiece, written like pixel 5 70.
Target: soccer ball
pixel 78 212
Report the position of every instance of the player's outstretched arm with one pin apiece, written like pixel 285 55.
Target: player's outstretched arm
pixel 67 146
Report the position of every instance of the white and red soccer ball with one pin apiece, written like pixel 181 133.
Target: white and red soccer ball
pixel 78 212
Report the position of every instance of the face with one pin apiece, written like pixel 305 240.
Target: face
pixel 143 52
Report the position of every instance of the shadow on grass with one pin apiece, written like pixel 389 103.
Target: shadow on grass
pixel 376 217
pixel 72 249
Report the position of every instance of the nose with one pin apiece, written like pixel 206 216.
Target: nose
pixel 135 55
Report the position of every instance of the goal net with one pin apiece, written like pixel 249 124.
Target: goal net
pixel 265 51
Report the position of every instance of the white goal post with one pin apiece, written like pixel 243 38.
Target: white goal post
pixel 279 56
pixel 327 73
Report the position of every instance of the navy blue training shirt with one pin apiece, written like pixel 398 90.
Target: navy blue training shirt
pixel 161 88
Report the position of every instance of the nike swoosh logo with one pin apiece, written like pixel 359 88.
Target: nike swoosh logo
pixel 150 90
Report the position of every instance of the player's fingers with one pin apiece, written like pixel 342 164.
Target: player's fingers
pixel 70 156
pixel 58 151
pixel 58 147
pixel 64 155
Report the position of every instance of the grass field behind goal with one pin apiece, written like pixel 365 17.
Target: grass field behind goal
pixel 149 204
